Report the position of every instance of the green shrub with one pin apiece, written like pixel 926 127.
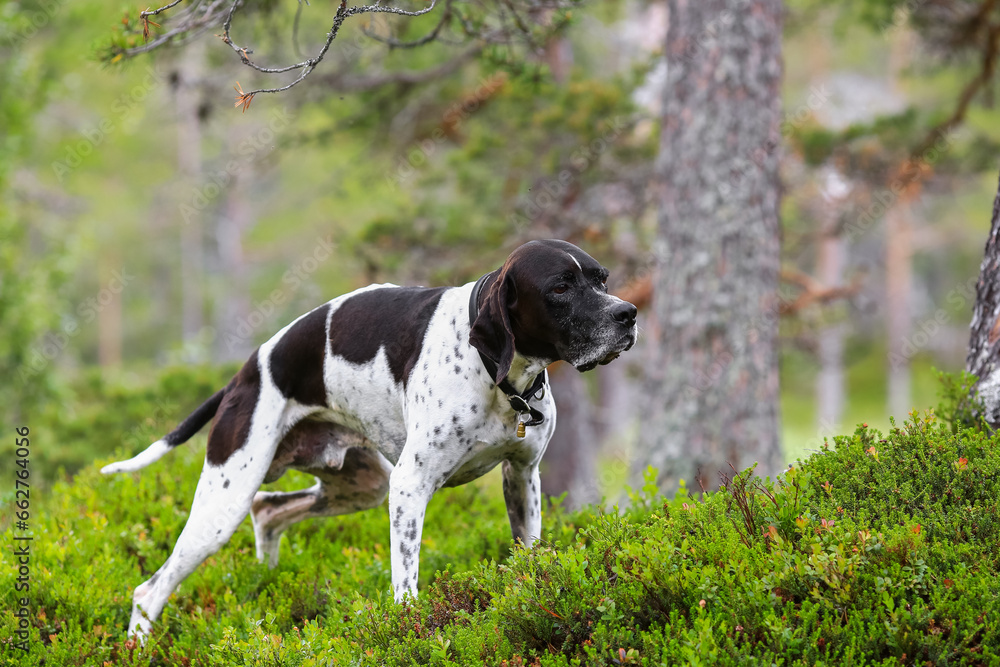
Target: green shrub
pixel 101 416
pixel 879 549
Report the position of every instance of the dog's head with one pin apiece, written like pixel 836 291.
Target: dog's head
pixel 550 301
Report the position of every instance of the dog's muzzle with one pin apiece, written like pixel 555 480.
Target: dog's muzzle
pixel 624 314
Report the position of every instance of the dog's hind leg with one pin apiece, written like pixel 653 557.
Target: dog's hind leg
pixel 361 482
pixel 240 448
pixel 213 520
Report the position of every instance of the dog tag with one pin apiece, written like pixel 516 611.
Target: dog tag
pixel 520 429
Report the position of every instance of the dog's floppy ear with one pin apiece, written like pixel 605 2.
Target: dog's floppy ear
pixel 491 332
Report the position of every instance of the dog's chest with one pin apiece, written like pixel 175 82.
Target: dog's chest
pixel 447 413
pixel 474 447
pixel 482 459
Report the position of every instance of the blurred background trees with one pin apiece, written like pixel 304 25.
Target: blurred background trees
pixel 146 224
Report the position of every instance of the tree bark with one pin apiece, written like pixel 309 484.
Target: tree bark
pixel 234 308
pixel 984 335
pixel 898 286
pixel 713 376
pixel 570 458
pixel 237 215
pixel 109 316
pixel 830 391
pixel 616 404
pixel 189 165
pixel 899 259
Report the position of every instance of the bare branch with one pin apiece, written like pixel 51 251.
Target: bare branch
pixel 429 37
pixel 814 292
pixel 307 66
pixel 229 21
pixel 161 9
pixel 502 26
pixel 295 29
pixel 379 9
pixel 343 11
pixel 980 81
pixel 404 77
pixel 188 22
pixel 517 18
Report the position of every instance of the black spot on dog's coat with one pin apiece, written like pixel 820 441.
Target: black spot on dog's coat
pixel 296 362
pixel 393 318
pixel 232 423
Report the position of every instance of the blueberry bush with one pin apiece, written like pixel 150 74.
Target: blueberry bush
pixel 882 548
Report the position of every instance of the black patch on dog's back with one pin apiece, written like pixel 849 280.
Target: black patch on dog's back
pixel 296 362
pixel 395 318
pixel 232 422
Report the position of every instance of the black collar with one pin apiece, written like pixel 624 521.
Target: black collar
pixel 518 401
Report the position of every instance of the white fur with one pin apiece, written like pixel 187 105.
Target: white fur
pixel 575 261
pixel 153 453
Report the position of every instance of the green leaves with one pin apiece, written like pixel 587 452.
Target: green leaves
pixel 853 559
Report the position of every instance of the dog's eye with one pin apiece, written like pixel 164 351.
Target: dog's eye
pixel 560 289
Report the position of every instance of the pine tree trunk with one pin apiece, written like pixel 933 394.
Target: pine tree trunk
pixel 984 336
pixel 713 378
pixel 898 286
pixel 570 458
pixel 109 316
pixel 616 406
pixel 189 165
pixel 899 258
pixel 236 216
pixel 830 391
pixel 234 307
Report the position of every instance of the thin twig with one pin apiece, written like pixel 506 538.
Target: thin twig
pixel 517 17
pixel 307 66
pixel 229 20
pixel 164 8
pixel 968 93
pixel 197 15
pixel 295 29
pixel 342 13
pixel 429 37
pixel 404 77
pixel 185 26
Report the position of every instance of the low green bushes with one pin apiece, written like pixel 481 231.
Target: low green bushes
pixel 95 416
pixel 880 549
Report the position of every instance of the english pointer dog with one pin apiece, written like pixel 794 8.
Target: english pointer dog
pixel 393 391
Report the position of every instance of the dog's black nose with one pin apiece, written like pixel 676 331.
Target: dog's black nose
pixel 624 312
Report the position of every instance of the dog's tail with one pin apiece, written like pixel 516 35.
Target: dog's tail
pixel 181 434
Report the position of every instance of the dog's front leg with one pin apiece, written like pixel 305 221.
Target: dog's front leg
pixel 522 493
pixel 410 489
